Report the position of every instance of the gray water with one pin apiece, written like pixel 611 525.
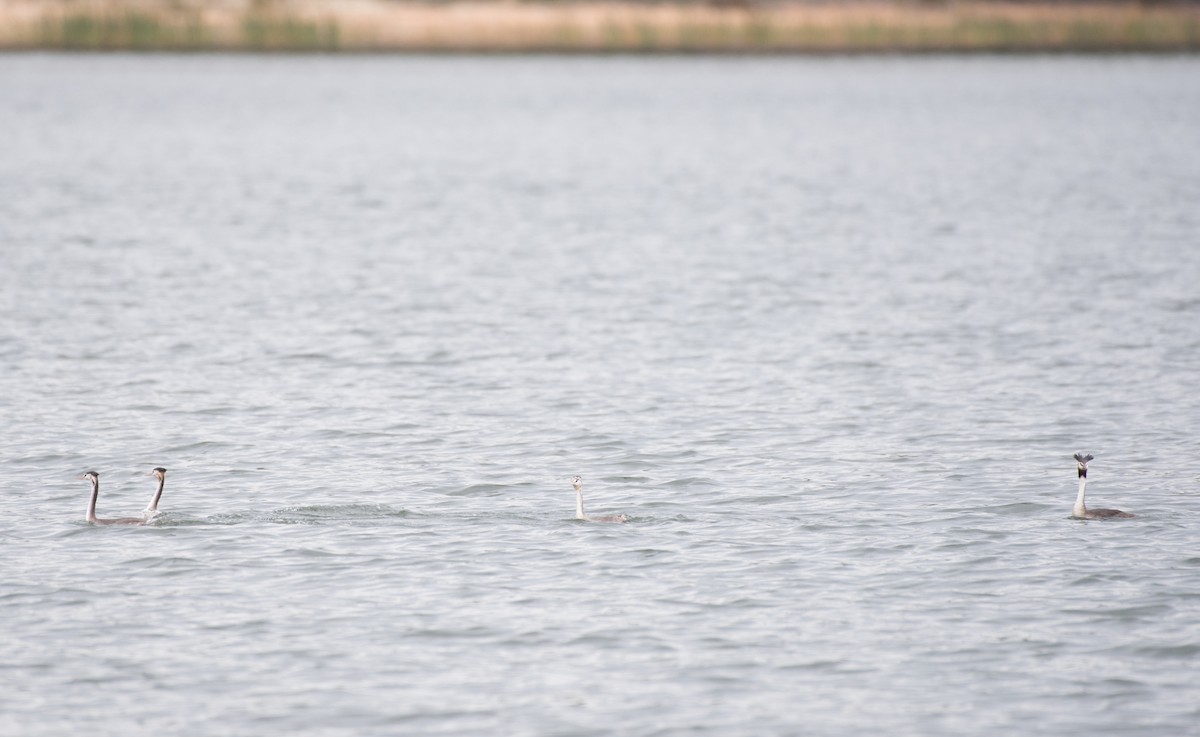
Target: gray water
pixel 828 330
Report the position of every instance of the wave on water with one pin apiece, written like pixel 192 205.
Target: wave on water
pixel 175 565
pixel 203 444
pixel 690 481
pixel 315 514
pixel 485 489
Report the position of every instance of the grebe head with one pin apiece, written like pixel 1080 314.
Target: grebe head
pixel 91 476
pixel 577 482
pixel 159 473
pixel 1081 461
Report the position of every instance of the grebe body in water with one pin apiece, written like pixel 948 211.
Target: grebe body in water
pixel 1080 510
pixel 91 512
pixel 577 482
pixel 159 473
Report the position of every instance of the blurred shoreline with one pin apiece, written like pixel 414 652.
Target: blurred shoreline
pixel 499 26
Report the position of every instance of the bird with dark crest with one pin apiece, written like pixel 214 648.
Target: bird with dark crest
pixel 91 510
pixel 1080 510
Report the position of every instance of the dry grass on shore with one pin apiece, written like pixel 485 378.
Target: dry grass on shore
pixel 505 26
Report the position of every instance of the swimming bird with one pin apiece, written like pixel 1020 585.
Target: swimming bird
pixel 91 513
pixel 159 473
pixel 1081 511
pixel 577 482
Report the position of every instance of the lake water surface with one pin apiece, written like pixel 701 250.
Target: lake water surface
pixel 828 330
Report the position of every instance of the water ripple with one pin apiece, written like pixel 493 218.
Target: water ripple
pixel 374 314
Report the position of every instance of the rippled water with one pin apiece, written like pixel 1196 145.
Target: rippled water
pixel 828 330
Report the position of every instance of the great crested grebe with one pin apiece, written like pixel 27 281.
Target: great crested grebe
pixel 1080 510
pixel 91 512
pixel 577 482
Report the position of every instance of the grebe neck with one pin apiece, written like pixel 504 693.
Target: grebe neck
pixel 579 504
pixel 162 479
pixel 91 513
pixel 1080 510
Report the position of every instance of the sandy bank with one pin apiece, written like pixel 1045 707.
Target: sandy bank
pixel 380 25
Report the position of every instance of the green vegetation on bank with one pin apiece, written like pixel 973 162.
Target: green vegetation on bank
pixel 380 25
pixel 80 30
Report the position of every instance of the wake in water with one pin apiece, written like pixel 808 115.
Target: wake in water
pixel 319 514
pixel 314 514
